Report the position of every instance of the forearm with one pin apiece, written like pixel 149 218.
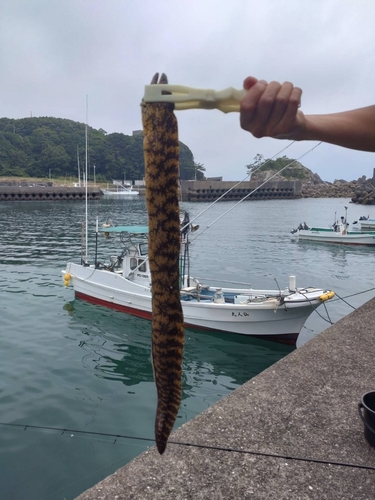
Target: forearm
pixel 351 129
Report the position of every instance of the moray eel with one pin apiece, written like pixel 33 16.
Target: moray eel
pixel 161 152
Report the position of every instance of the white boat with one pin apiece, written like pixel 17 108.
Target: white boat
pixel 367 223
pixel 124 283
pixel 120 190
pixel 338 233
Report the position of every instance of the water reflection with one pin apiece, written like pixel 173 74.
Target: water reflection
pixel 118 347
pixel 342 257
pixel 333 248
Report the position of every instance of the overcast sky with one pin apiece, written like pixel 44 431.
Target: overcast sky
pixel 55 52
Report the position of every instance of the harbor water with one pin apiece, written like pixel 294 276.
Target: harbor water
pixel 77 396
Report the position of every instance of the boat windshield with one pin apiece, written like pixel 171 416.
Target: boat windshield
pixel 143 248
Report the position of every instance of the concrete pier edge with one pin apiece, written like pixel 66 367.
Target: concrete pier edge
pixel 294 430
pixel 48 193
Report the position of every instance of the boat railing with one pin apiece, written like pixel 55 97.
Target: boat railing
pixel 248 285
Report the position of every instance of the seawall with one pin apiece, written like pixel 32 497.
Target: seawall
pixel 292 432
pixel 207 190
pixel 46 192
pixel 210 190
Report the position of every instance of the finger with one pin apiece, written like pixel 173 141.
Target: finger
pixel 249 82
pixel 266 103
pixel 294 103
pixel 249 103
pixel 281 102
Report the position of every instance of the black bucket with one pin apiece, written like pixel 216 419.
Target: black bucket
pixel 368 416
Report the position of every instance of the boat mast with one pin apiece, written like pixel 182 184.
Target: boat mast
pixel 79 170
pixel 86 178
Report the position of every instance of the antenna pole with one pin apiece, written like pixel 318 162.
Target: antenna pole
pixel 79 171
pixel 86 162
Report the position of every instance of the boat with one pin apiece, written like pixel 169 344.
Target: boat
pixel 367 224
pixel 337 233
pixel 124 283
pixel 121 190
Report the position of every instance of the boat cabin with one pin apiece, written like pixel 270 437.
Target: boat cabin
pixel 133 263
pixel 136 265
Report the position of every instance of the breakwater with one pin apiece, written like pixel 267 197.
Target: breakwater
pixel 293 432
pixel 210 190
pixel 47 192
pixel 206 190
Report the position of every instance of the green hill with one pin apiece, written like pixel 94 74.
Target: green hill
pixel 40 147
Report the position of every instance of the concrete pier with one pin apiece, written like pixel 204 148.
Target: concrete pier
pixel 47 192
pixel 211 190
pixel 292 432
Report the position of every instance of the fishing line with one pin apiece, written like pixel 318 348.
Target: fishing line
pixel 218 199
pixel 274 455
pixel 252 171
pixel 64 430
pixel 256 189
pixel 201 446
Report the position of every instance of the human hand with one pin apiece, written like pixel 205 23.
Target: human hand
pixel 271 109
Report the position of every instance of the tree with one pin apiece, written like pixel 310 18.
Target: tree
pixel 34 146
pixel 258 160
pixel 288 167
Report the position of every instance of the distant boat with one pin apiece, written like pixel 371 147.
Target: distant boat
pixel 338 233
pixel 367 223
pixel 121 190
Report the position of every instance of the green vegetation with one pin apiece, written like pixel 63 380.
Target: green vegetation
pixel 296 171
pixel 47 147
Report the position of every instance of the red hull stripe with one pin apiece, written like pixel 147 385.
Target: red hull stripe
pixel 117 307
pixel 287 338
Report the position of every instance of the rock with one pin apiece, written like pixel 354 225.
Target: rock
pixel 361 191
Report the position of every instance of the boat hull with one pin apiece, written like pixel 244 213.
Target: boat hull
pixel 337 238
pixel 368 225
pixel 284 338
pixel 268 319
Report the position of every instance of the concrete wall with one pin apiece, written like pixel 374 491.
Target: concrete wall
pixel 54 193
pixel 210 190
pixel 291 433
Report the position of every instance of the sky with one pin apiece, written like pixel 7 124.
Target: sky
pixel 54 53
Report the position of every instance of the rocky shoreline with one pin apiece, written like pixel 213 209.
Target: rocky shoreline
pixel 361 191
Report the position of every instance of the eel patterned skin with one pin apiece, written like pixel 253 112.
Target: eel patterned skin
pixel 161 152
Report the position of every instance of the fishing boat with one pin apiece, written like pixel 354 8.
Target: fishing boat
pixel 367 224
pixel 120 190
pixel 337 233
pixel 124 283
